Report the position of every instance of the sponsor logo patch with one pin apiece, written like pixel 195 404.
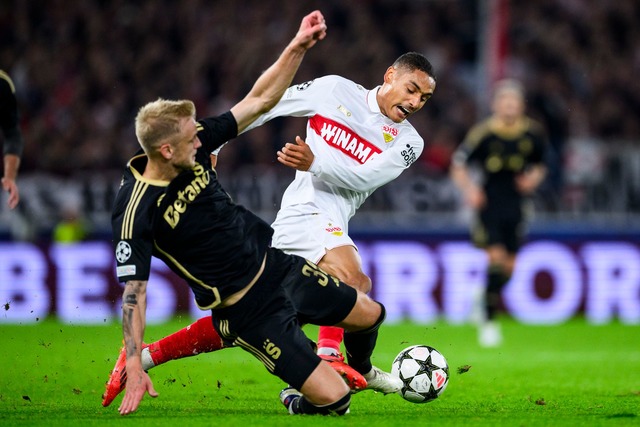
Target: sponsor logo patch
pixel 126 270
pixel 409 155
pixel 335 230
pixel 344 139
pixel 303 86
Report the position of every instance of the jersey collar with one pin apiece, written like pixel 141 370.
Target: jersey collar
pixel 136 166
pixel 372 101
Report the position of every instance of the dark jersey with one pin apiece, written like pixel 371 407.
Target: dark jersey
pixel 501 156
pixel 192 224
pixel 9 118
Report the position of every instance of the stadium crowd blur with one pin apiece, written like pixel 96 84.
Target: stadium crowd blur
pixel 82 69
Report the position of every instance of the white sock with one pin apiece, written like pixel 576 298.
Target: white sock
pixel 147 361
pixel 327 351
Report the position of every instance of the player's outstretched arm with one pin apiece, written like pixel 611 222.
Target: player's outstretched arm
pixel 270 86
pixel 134 305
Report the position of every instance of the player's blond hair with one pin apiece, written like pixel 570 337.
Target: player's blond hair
pixel 159 120
pixel 508 85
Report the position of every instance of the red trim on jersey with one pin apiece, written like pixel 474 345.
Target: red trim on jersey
pixel 343 138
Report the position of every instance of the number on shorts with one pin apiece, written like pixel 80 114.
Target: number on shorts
pixel 310 269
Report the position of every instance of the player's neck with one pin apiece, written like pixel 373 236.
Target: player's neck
pixel 157 170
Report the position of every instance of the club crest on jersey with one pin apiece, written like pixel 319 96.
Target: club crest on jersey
pixel 334 229
pixel 389 133
pixel 344 139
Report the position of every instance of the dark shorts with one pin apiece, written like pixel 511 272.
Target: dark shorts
pixel 266 321
pixel 489 230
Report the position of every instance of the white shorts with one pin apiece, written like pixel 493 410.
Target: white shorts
pixel 308 234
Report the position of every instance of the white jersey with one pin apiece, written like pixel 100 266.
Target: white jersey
pixel 357 149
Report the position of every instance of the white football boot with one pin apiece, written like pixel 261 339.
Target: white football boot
pixel 381 381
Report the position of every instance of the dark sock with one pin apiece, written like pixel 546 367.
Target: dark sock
pixel 302 406
pixel 360 345
pixel 496 280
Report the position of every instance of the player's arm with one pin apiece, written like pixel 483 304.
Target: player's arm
pixel 377 171
pixel 472 193
pixel 533 175
pixel 13 143
pixel 134 305
pixel 270 86
pixel 11 166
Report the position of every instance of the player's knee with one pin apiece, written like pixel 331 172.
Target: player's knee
pixel 359 280
pixel 377 316
pixel 370 314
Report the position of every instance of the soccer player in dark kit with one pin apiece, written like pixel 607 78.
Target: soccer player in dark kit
pixel 509 149
pixel 171 205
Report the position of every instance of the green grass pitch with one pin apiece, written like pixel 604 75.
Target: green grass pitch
pixel 563 375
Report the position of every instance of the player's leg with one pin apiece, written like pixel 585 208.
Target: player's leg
pixel 497 277
pixel 501 254
pixel 321 386
pixel 489 331
pixel 311 233
pixel 199 337
pixel 349 309
pixel 265 324
pixel 488 233
pixel 360 339
pixel 344 263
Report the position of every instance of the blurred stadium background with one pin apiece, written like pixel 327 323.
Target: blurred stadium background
pixel 82 69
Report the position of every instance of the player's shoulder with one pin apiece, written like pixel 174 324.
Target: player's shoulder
pixel 535 127
pixel 335 81
pixel 479 131
pixel 6 84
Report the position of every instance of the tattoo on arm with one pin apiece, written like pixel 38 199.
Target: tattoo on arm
pixel 130 299
pixel 132 302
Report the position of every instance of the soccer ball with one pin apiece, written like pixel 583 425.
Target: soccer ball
pixel 424 372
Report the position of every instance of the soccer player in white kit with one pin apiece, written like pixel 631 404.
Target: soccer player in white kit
pixel 357 140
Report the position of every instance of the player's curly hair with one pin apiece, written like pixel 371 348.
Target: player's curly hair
pixel 159 120
pixel 411 61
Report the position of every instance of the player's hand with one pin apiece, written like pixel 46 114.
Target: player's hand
pixel 527 182
pixel 9 185
pixel 312 29
pixel 297 156
pixel 475 197
pixel 138 383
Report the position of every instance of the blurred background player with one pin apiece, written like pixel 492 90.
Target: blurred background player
pixel 509 150
pixel 13 144
pixel 357 141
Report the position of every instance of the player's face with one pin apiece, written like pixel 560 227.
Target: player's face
pixel 404 92
pixel 186 145
pixel 508 105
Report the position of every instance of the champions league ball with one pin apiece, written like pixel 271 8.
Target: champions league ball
pixel 424 372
